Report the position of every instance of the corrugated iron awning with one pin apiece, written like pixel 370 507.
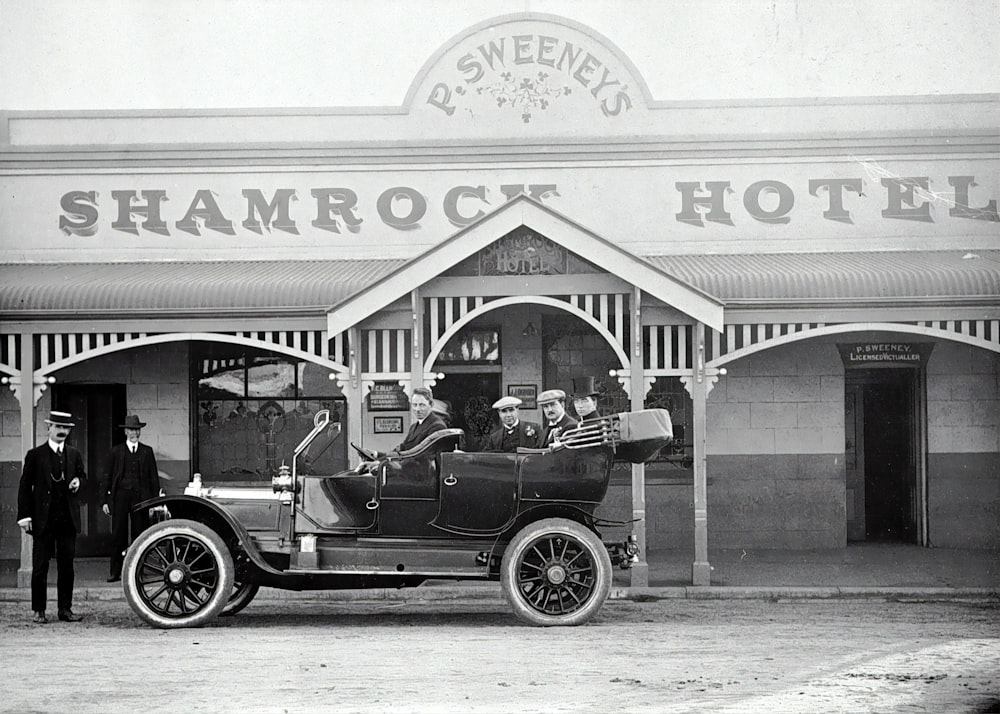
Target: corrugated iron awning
pixel 299 286
pixel 804 277
pixel 275 287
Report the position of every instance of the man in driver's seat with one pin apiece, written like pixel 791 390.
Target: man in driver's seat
pixel 425 423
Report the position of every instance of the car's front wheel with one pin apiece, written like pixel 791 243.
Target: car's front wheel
pixel 178 573
pixel 555 572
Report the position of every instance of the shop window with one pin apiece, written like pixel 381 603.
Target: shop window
pixel 253 409
pixel 669 393
pixel 480 345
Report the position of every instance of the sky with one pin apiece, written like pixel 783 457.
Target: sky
pixel 224 54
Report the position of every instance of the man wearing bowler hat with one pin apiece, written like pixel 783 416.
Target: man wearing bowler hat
pixel 48 508
pixel 131 477
pixel 585 396
pixel 513 432
pixel 557 421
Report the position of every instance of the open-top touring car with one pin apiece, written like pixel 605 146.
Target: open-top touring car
pixel 433 512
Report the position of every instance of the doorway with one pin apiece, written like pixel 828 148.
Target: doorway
pixel 884 441
pixel 98 409
pixel 470 396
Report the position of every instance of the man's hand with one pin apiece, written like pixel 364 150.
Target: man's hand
pixel 74 485
pixel 25 524
pixel 106 509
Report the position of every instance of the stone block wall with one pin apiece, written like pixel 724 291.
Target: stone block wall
pixel 963 444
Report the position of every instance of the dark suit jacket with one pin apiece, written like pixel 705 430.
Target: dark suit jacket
pixel 34 494
pixel 519 438
pixel 567 422
pixel 149 475
pixel 419 432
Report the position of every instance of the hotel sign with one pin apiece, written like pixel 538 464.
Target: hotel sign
pixel 885 354
pixel 340 209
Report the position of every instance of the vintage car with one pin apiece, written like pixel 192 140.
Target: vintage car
pixel 433 512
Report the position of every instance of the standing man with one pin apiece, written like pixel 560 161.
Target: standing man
pixel 553 404
pixel 585 397
pixel 48 508
pixel 132 477
pixel 513 432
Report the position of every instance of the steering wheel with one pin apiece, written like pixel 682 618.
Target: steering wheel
pixel 363 453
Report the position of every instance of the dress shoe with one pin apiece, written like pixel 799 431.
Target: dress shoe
pixel 40 617
pixel 68 616
pixel 114 578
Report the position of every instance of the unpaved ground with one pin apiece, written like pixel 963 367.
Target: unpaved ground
pixel 667 656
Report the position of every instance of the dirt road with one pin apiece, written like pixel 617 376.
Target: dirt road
pixel 667 656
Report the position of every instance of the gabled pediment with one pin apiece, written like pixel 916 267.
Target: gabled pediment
pixel 475 242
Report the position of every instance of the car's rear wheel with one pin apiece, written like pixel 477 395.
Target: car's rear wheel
pixel 241 596
pixel 555 572
pixel 178 573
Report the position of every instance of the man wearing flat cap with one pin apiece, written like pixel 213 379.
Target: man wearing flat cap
pixel 48 508
pixel 513 432
pixel 557 421
pixel 131 477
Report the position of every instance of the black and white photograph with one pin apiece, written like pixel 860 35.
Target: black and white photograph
pixel 558 356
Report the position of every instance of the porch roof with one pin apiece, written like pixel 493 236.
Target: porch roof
pixel 783 278
pixel 262 288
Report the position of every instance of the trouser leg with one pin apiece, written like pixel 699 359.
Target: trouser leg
pixel 65 554
pixel 41 552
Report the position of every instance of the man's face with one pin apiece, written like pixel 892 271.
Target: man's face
pixel 420 407
pixel 585 405
pixel 132 435
pixel 553 411
pixel 508 416
pixel 59 432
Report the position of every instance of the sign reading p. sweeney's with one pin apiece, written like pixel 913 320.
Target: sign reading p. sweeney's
pixel 885 354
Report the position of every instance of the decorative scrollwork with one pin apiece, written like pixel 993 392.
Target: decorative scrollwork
pixel 526 94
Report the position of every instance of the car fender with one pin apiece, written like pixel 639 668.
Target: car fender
pixel 537 513
pixel 215 517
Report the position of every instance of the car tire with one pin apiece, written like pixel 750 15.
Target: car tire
pixel 555 572
pixel 178 573
pixel 241 596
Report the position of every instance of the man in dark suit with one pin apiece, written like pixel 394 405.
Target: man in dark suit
pixel 131 477
pixel 48 508
pixel 513 432
pixel 425 422
pixel 557 421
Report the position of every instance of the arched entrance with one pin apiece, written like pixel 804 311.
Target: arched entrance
pixel 521 348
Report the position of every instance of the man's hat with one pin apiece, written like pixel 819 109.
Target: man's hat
pixel 60 419
pixel 132 422
pixel 551 395
pixel 584 387
pixel 505 402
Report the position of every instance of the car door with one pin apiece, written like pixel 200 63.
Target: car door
pixel 478 492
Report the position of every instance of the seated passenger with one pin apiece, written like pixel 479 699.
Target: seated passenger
pixel 553 404
pixel 513 432
pixel 585 397
pixel 425 423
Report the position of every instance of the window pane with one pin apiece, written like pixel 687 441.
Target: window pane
pixel 221 378
pixel 270 377
pixel 247 440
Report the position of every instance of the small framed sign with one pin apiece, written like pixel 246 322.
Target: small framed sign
pixel 527 393
pixel 388 397
pixel 387 425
